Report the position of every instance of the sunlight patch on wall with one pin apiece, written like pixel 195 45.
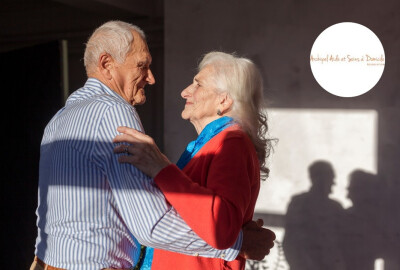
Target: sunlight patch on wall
pixel 345 138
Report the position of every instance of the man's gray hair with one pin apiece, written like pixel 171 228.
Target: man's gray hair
pixel 114 38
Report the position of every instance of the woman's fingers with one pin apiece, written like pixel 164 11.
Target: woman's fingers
pixel 128 159
pixel 132 149
pixel 134 133
pixel 143 162
pixel 122 148
pixel 126 138
pixel 136 139
pixel 140 151
pixel 127 130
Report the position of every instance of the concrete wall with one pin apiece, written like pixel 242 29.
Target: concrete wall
pixel 278 36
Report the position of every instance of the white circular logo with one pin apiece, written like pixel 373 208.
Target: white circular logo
pixel 347 59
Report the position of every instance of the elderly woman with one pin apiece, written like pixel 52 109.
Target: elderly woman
pixel 215 184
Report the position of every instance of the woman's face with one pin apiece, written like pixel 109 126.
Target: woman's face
pixel 201 100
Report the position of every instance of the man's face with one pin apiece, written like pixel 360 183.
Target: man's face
pixel 131 76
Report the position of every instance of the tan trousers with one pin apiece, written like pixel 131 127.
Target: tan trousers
pixel 38 264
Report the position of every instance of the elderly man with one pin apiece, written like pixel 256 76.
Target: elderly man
pixel 93 211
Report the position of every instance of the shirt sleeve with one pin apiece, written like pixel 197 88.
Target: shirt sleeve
pixel 215 212
pixel 151 220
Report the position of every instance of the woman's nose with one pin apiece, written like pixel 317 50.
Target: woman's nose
pixel 186 92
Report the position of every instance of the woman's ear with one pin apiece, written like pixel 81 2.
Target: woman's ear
pixel 225 103
pixel 106 65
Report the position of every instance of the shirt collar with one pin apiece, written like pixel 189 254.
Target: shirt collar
pixel 93 82
pixel 209 132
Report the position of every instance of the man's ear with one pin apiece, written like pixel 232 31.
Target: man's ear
pixel 225 103
pixel 106 65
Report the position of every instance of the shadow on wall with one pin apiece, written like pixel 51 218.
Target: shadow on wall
pixel 320 234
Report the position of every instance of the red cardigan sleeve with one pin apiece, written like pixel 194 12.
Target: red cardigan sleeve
pixel 214 212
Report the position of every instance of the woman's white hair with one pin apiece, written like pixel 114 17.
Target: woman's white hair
pixel 241 79
pixel 114 38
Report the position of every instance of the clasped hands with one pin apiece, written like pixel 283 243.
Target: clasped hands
pixel 143 153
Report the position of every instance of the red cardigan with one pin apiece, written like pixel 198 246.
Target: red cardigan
pixel 215 194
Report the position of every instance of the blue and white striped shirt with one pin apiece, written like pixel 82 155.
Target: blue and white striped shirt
pixel 92 211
